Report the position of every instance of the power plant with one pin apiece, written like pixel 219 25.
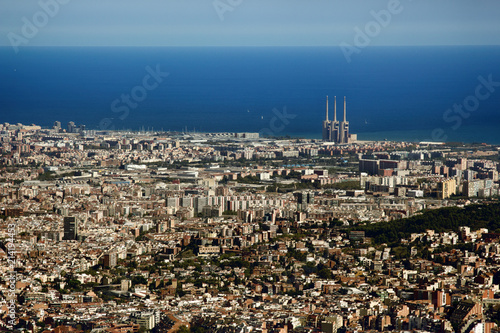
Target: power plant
pixel 335 131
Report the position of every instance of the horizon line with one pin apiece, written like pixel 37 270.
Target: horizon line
pixel 251 46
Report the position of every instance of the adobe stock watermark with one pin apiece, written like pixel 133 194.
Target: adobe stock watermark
pixel 137 94
pixel 471 103
pixel 11 278
pixel 31 26
pixel 277 123
pixel 363 37
pixel 223 6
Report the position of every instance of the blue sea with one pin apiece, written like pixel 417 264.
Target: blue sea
pixel 395 93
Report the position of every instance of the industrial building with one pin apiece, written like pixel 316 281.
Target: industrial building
pixel 337 131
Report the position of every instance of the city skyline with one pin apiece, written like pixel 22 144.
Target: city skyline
pixel 164 169
pixel 96 224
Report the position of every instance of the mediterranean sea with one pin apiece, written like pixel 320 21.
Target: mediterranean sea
pixel 446 93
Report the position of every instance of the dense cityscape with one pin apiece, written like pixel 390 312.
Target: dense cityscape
pixel 114 231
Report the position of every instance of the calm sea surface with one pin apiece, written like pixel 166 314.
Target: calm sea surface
pixel 400 93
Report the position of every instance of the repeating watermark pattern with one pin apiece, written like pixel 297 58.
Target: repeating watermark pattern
pixel 137 94
pixel 31 27
pixel 12 278
pixel 471 103
pixel 277 123
pixel 223 6
pixel 363 37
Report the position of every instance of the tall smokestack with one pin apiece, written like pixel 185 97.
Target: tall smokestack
pixel 344 110
pixel 334 108
pixel 326 107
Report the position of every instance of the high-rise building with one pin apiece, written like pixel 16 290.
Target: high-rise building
pixel 304 199
pixel 70 228
pixel 71 127
pixel 446 188
pixel 335 131
pixel 57 125
pixel 109 259
pixel 332 324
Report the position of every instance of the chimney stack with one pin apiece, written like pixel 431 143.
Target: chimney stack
pixel 344 111
pixel 335 108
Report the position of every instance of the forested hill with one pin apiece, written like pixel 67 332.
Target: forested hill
pixel 440 220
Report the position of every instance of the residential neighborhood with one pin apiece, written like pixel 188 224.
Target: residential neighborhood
pixel 115 231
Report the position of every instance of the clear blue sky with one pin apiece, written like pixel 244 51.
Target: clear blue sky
pixel 252 23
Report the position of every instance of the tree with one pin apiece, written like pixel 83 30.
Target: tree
pixel 139 279
pixel 74 284
pixel 325 273
pixel 183 329
pixel 309 268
